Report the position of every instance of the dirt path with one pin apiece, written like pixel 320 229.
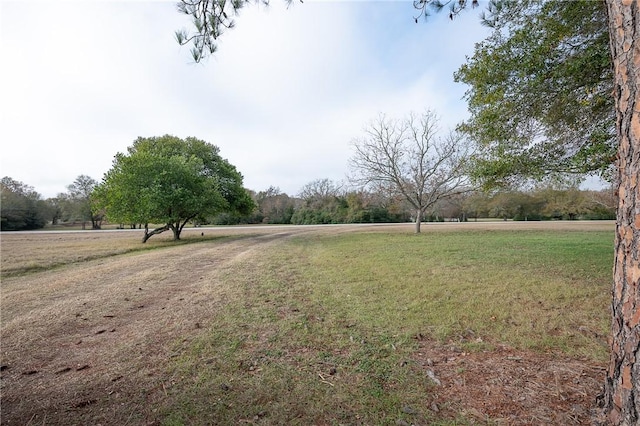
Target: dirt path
pixel 86 344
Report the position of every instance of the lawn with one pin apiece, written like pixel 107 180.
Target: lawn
pixel 462 324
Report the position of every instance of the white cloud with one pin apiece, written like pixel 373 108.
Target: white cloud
pixel 282 98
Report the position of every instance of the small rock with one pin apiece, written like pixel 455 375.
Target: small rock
pixel 333 371
pixel 433 377
pixel 434 408
pixel 578 409
pixel 408 410
pixel 401 422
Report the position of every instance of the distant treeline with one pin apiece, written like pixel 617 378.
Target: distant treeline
pixel 319 202
pixel 323 202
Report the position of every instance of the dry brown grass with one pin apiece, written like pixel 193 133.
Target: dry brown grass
pixel 35 251
pixel 88 343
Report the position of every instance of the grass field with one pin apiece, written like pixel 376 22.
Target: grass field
pixel 463 324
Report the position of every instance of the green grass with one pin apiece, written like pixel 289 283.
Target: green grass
pixel 321 329
pixel 510 287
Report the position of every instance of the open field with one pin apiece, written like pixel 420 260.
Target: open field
pixel 473 323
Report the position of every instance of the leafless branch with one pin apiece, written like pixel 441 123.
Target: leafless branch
pixel 409 157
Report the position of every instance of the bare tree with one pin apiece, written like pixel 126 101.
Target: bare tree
pixel 407 157
pixel 320 190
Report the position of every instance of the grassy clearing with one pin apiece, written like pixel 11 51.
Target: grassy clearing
pixel 530 289
pixel 323 328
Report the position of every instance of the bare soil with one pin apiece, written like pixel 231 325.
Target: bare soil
pixel 88 343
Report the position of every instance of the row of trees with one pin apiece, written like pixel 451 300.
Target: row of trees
pixel 23 208
pixel 324 201
pixel 319 202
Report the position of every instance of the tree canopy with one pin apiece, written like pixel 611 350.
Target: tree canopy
pixel 540 92
pixel 171 181
pixel 80 201
pixel 21 207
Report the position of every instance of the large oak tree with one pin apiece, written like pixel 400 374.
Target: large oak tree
pixel 171 181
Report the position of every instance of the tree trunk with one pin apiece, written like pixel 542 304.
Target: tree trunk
pixel 148 234
pixel 176 230
pixel 622 387
pixel 418 220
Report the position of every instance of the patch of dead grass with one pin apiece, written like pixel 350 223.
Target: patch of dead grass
pixel 89 343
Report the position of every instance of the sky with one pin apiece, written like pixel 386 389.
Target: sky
pixel 283 97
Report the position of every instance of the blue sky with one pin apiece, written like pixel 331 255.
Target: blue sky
pixel 283 97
